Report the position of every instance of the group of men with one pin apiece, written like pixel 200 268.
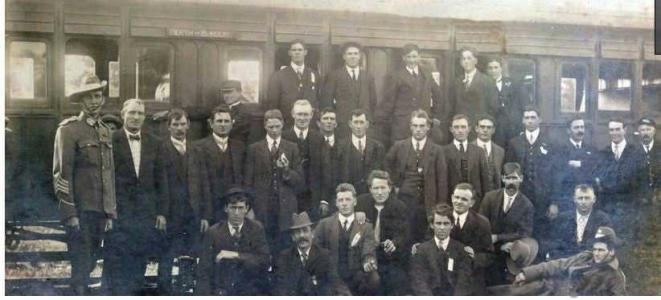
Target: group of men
pixel 297 209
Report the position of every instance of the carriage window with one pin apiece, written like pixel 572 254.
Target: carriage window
pixel 615 92
pixel 153 68
pixel 573 87
pixel 91 56
pixel 651 86
pixel 522 73
pixel 245 65
pixel 28 74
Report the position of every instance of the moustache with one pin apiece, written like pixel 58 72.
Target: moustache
pixel 580 133
pixel 510 186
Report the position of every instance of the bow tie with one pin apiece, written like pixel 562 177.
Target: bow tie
pixel 134 137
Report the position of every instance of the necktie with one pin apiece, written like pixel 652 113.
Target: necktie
pixel 647 148
pixel 236 231
pixel 274 147
pixel 578 146
pixel 486 151
pixel 300 136
pixel 377 226
pixel 461 147
pixel 456 222
pixel 304 259
pixel 181 148
pixel 134 137
pixel 353 74
pixel 617 152
pixel 508 204
pixel 346 225
pixel 580 228
pixel 417 148
pixel 299 73
pixel 530 139
pixel 328 141
pixel 360 146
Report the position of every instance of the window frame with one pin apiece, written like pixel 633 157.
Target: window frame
pixel 642 92
pixel 47 101
pixel 244 48
pixel 635 84
pixel 589 90
pixel 130 90
pixel 506 62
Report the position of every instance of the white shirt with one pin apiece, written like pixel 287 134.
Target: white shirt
pixel 461 218
pixel 298 69
pixel 349 218
pixel 353 71
pixel 648 147
pixel 330 140
pixel 135 150
pixel 468 77
pixel 442 244
pixel 456 144
pixel 232 232
pixel 355 140
pixel 179 145
pixel 534 133
pixel 499 83
pixel 269 142
pixel 620 147
pixel 298 132
pixel 220 141
pixel 422 143
pixel 506 201
pixel 484 145
pixel 300 253
pixel 580 226
pixel 413 70
pixel 576 144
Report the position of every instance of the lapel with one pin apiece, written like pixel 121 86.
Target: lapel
pixel 235 151
pixel 335 231
pixel 213 150
pixel 515 204
pixel 369 148
pixel 406 151
pixel 126 149
pixel 174 156
pixel 572 225
pixel 426 156
pixel 146 150
pixel 353 232
pixel 263 147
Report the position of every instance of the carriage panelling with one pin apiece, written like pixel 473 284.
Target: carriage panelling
pixel 484 37
pixel 620 45
pixel 30 16
pixel 555 40
pixel 95 18
pixel 307 27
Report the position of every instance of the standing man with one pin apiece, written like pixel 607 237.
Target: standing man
pixel 419 173
pixel 349 88
pixel 486 126
pixel 245 114
pixel 84 181
pixel 474 93
pixel 650 185
pixel 273 169
pixel 293 82
pixel 305 269
pixel 325 169
pixel 466 162
pixel 509 104
pixel 574 163
pixel 573 230
pixel 309 143
pixel 234 255
pixel 183 212
pixel 531 151
pixel 129 245
pixel 405 90
pixel 510 215
pixel 391 232
pixel 222 166
pixel 441 266
pixel 351 244
pixel 360 154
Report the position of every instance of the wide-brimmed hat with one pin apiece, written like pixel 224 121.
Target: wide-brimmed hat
pixel 522 254
pixel 300 220
pixel 90 83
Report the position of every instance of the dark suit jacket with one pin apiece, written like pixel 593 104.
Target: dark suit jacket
pixel 536 164
pixel 402 94
pixel 258 176
pixel 480 97
pixel 476 233
pixel 434 170
pixel 137 196
pixel 248 124
pixel 341 93
pixel 618 179
pixel 516 223
pixel 285 88
pixel 565 178
pixel 327 235
pixel 476 161
pixel 651 174
pixel 237 276
pixel 510 110
pixel 563 243
pixel 348 172
pixel 394 226
pixel 309 151
pixel 316 278
pixel 212 172
pixel 325 171
pixel 431 274
pixel 175 185
pixel 494 166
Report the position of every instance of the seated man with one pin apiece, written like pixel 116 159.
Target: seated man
pixel 351 244
pixel 588 273
pixel 440 266
pixel 305 268
pixel 234 254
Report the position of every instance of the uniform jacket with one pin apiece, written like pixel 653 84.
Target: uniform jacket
pixel 327 235
pixel 535 161
pixel 480 97
pixel 579 275
pixel 434 169
pixel 516 224
pixel 316 278
pixel 83 167
pixel 566 177
pixel 403 93
pixel 432 274
pixel 495 162
pixel 285 88
pixel 341 93
pixel 212 172
pixel 258 176
pixel 137 196
pixel 374 154
pixel 476 161
pixel 393 223
pixel 651 174
pixel 239 276
pixel 563 242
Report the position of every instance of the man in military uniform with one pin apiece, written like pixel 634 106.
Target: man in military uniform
pixel 84 181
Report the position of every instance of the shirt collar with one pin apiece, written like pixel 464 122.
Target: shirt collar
pixel 219 140
pixel 505 195
pixel 355 139
pixel 578 215
pixel 456 144
pixel 499 79
pixel 307 252
pixel 349 218
pixel 422 142
pixel 177 142
pixel 482 144
pixel 535 134
pixel 297 68
pixel 128 134
pixel 298 132
pixel 230 226
pixel 469 76
pixel 442 244
pixel 330 138
pixel 356 69
pixel 649 146
pixel 576 144
pixel 270 140
pixel 620 146
pixel 234 104
pixel 461 217
pixel 412 70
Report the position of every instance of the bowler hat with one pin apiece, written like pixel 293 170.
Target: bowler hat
pixel 300 220
pixel 229 85
pixel 90 83
pixel 522 254
pixel 235 191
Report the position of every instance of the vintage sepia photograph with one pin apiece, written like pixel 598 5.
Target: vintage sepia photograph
pixel 332 148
